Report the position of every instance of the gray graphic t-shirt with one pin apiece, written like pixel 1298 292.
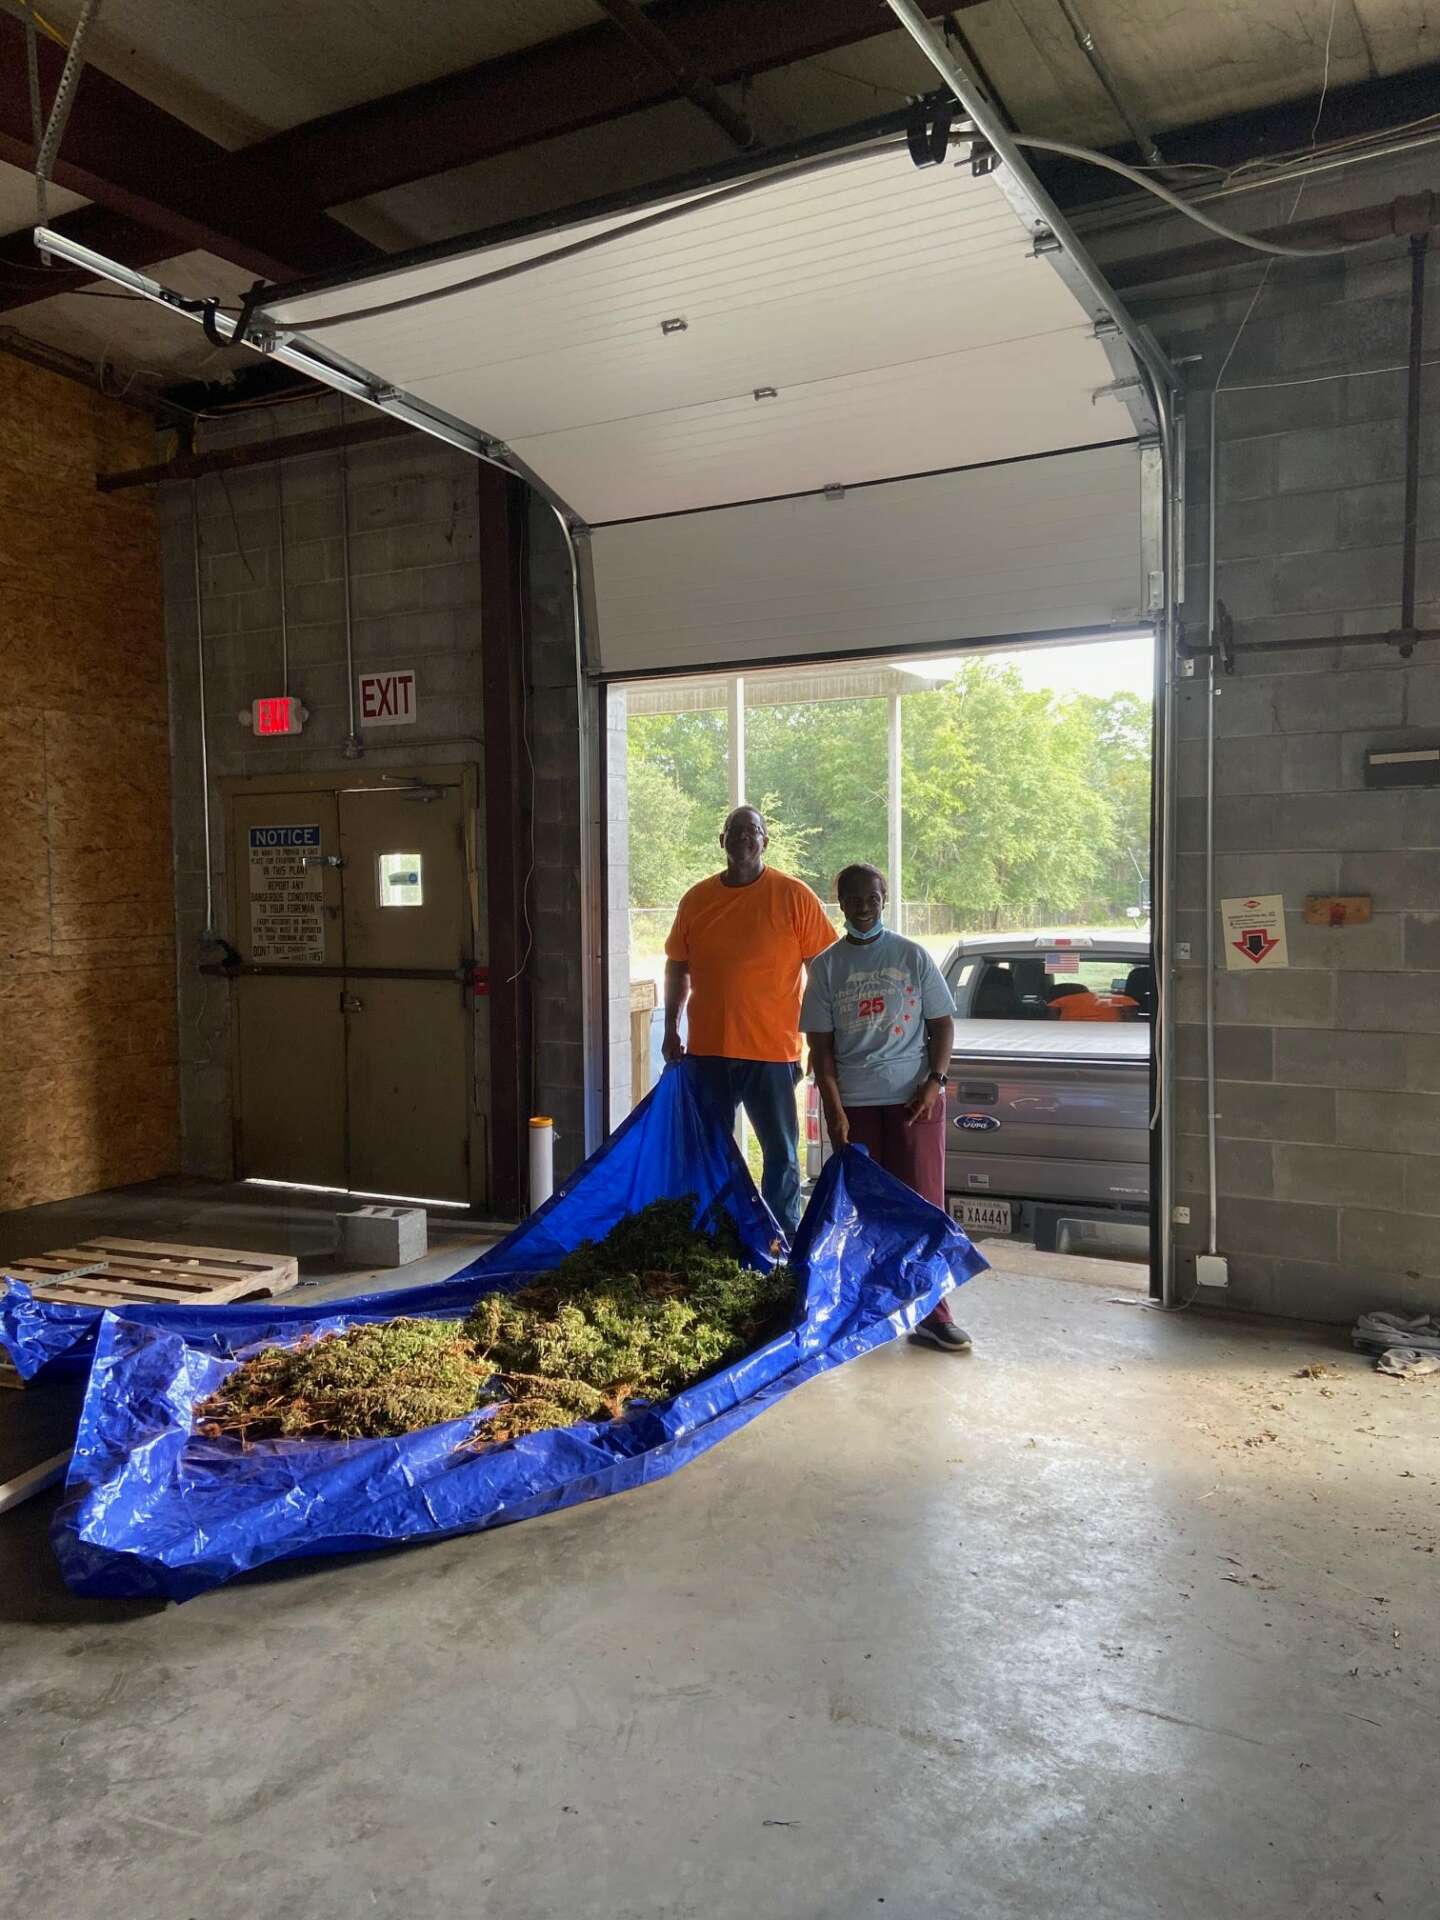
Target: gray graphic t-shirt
pixel 875 998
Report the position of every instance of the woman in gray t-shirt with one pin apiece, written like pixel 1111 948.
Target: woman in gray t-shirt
pixel 881 1027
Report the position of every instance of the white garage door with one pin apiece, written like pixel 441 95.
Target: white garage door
pixel 869 354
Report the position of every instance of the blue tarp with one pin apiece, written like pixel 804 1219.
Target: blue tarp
pixel 153 1509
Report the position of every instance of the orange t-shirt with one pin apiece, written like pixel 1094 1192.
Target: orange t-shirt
pixel 745 948
pixel 1093 1006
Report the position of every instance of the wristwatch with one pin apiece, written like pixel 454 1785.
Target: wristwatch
pixel 942 1080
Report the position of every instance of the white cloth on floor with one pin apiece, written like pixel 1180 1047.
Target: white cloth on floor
pixel 1374 1332
pixel 1408 1362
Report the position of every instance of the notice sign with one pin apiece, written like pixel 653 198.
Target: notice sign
pixel 387 699
pixel 287 911
pixel 1254 932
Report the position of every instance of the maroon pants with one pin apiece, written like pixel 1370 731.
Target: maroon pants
pixel 914 1153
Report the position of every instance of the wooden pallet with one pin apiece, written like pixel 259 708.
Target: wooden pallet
pixel 106 1273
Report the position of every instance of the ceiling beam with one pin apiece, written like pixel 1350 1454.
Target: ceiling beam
pixel 24 279
pixel 261 453
pixel 135 160
pixel 698 87
pixel 559 87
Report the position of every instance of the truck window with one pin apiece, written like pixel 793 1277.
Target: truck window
pixel 1026 986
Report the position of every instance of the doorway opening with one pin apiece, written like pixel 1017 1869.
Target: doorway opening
pixel 1007 796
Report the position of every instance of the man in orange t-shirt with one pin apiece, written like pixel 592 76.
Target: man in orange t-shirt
pixel 736 951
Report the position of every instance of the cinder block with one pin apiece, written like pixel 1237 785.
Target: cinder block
pixel 1282 999
pixel 1291 659
pixel 1190 769
pixel 1422 941
pixel 454 585
pixel 1387 1002
pixel 374 595
pixel 1422 696
pixel 1347 577
pixel 1242 1167
pixel 1237 822
pixel 1289 1228
pixel 1251 1111
pixel 1286 523
pixel 382 1236
pixel 1362 332
pixel 1374 516
pixel 1394 880
pixel 1404 1240
pixel 1340 1176
pixel 1248 587
pixel 1247 766
pixel 1243 707
pixel 1241 1053
pixel 1310 763
pixel 1323 1290
pixel 1247 468
pixel 1388 1122
pixel 1335 702
pixel 1350 456
pixel 1373 947
pixel 1422 825
pixel 314 519
pixel 1422 1185
pixel 1347 821
pixel 1322 1057
pixel 1292 874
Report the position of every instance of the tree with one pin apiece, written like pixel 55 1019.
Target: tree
pixel 1020 805
pixel 661 814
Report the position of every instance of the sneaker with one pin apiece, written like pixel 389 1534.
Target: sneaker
pixel 944 1334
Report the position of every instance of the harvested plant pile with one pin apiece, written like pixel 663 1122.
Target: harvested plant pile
pixel 653 1307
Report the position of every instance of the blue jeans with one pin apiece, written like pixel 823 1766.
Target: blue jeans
pixel 766 1090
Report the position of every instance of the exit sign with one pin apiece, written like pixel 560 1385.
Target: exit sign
pixel 280 713
pixel 387 699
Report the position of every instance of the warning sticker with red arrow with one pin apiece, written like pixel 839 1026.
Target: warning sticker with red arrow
pixel 1254 932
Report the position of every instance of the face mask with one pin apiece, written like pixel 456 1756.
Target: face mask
pixel 869 934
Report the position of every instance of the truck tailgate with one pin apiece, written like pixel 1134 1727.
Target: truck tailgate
pixel 1042 1110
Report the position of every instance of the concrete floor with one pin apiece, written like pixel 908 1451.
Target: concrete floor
pixel 1119 1617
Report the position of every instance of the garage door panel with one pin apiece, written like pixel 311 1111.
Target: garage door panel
pixel 890 320
pixel 1031 547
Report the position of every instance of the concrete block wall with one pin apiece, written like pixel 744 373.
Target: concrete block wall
pixel 1329 1072
pixel 415 592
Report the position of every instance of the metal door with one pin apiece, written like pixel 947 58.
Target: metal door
pixel 407 1025
pixel 285 852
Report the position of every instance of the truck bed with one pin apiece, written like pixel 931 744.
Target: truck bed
pixel 1042 1110
pixel 1098 1040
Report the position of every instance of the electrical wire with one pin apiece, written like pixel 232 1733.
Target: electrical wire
pixel 1094 159
pixel 593 241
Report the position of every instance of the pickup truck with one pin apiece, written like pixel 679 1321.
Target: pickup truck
pixel 1047 1122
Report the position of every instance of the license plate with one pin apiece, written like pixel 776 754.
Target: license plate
pixel 991 1216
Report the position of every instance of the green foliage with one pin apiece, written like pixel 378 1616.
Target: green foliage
pixel 1020 805
pixel 650 1309
pixel 388 1377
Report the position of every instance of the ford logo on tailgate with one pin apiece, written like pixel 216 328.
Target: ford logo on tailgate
pixel 977 1123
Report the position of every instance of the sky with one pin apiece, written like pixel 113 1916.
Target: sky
pixel 1090 666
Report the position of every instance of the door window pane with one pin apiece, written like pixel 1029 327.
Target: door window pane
pixel 400 880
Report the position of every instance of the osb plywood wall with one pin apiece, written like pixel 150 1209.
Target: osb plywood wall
pixel 87 960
